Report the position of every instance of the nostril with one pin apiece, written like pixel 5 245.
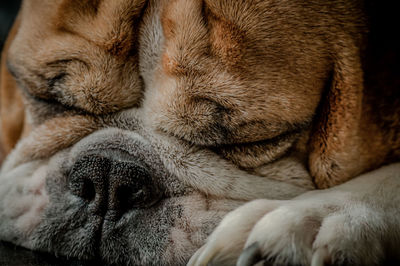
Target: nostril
pixel 82 187
pixel 131 186
pixel 127 197
pixel 88 191
pixel 113 186
pixel 88 177
pixel 135 196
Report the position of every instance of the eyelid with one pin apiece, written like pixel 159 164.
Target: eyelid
pixel 58 62
pixel 47 94
pixel 51 82
pixel 64 62
pixel 53 101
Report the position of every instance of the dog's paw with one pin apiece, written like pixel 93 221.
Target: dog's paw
pixel 321 229
pixel 229 237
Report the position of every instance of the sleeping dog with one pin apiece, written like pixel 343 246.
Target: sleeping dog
pixel 131 128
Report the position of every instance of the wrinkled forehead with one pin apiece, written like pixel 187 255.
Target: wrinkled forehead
pixel 103 22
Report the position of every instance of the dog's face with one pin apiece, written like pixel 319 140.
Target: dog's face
pixel 204 105
pixel 79 54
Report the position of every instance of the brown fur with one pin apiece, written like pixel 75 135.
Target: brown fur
pixel 12 110
pixel 89 65
pixel 65 69
pixel 247 79
pixel 272 84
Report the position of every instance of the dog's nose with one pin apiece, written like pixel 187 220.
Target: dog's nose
pixel 112 186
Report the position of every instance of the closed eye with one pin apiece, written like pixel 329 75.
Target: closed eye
pixel 56 80
pixel 46 97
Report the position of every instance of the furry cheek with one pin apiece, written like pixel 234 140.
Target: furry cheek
pixel 23 200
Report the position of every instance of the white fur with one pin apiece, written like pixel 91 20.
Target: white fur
pixel 151 40
pixel 357 221
pixel 22 200
pixel 211 174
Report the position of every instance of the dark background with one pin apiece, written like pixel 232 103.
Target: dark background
pixel 8 10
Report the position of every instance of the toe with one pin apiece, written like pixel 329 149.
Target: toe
pixel 321 257
pixel 194 260
pixel 250 256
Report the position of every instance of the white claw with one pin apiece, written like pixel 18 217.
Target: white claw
pixel 320 257
pixel 200 258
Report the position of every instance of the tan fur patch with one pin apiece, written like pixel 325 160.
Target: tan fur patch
pixel 12 108
pixel 226 40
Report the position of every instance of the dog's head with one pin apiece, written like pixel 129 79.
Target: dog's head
pixel 144 122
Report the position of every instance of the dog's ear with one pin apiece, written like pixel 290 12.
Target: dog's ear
pixel 338 144
pixel 11 104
